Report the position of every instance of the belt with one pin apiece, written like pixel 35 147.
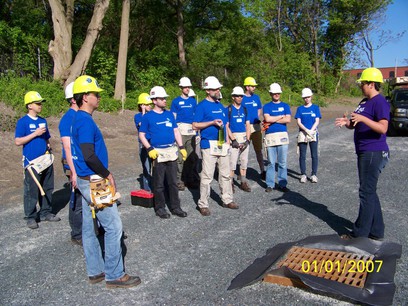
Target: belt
pixel 86 178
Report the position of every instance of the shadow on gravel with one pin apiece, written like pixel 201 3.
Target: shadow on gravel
pixel 337 223
pixel 60 198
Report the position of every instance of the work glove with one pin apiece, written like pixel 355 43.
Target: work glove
pixel 183 153
pixel 245 145
pixel 265 125
pixel 153 154
pixel 235 144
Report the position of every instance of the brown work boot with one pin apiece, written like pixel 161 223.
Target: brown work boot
pixel 126 281
pixel 231 205
pixel 245 187
pixel 204 211
pixel 96 278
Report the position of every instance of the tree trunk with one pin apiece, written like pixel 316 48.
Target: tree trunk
pixel 120 85
pixel 60 48
pixel 180 35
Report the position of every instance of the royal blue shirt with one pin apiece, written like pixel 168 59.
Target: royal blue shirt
pixel 85 130
pixel 237 119
pixel 252 104
pixel 36 146
pixel 308 115
pixel 65 129
pixel 184 108
pixel 365 138
pixel 276 109
pixel 160 128
pixel 138 122
pixel 209 111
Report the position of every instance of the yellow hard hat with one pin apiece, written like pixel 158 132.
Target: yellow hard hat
pixel 250 81
pixel 144 98
pixel 85 84
pixel 32 96
pixel 371 75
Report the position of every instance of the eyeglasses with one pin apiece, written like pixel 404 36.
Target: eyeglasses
pixel 364 83
pixel 239 97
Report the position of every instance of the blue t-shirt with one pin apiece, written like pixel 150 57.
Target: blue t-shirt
pixel 209 111
pixel 308 115
pixel 138 122
pixel 276 109
pixel 184 108
pixel 252 104
pixel 65 129
pixel 160 128
pixel 85 130
pixel 237 119
pixel 365 139
pixel 38 145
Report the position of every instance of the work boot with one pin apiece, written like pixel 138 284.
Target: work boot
pixel 126 281
pixel 245 187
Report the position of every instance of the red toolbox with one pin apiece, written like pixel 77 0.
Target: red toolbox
pixel 142 198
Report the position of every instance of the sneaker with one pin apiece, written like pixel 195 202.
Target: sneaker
pixel 204 211
pixel 303 178
pixel 181 186
pixel 50 218
pixel 31 223
pixel 268 189
pixel 96 278
pixel 126 281
pixel 245 187
pixel 263 175
pixel 162 213
pixel 313 179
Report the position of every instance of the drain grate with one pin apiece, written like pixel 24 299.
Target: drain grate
pixel 347 268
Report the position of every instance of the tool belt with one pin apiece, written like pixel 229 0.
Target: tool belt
pixel 305 137
pixel 103 194
pixel 42 162
pixel 240 137
pixel 218 151
pixel 167 154
pixel 276 139
pixel 186 129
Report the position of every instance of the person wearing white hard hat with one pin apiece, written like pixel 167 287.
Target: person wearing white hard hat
pixel 183 108
pixel 211 120
pixel 75 209
pixel 276 115
pixel 253 104
pixel 308 118
pixel 239 132
pixel 32 133
pixel 159 124
pixel 192 93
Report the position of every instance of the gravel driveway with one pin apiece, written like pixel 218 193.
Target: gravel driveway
pixel 192 261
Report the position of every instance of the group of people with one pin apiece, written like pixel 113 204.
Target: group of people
pixel 181 147
pixel 212 134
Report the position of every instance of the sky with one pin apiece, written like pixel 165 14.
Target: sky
pixel 394 53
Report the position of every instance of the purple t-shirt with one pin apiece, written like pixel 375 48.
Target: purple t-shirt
pixel 365 139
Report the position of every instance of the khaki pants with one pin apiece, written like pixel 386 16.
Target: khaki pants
pixel 207 174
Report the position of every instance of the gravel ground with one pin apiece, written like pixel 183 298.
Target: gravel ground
pixel 192 261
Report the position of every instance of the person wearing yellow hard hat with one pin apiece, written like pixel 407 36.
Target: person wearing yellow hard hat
pixel 252 102
pixel 370 124
pixel 144 105
pixel 183 108
pixel 163 147
pixel 75 210
pixel 32 133
pixel 90 157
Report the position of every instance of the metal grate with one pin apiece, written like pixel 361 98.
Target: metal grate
pixel 347 268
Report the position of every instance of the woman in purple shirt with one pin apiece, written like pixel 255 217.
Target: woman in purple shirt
pixel 370 124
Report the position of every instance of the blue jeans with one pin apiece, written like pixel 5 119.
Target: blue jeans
pixel 277 154
pixel 370 219
pixel 147 166
pixel 112 224
pixel 314 154
pixel 32 193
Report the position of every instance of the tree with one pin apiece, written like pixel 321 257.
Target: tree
pixel 61 47
pixel 120 85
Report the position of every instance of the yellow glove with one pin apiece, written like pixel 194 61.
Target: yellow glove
pixel 183 153
pixel 153 154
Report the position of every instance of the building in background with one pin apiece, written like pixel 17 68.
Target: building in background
pixel 388 72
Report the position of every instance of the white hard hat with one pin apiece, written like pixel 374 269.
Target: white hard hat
pixel 158 92
pixel 185 82
pixel 69 93
pixel 212 82
pixel 191 93
pixel 275 88
pixel 237 91
pixel 306 92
